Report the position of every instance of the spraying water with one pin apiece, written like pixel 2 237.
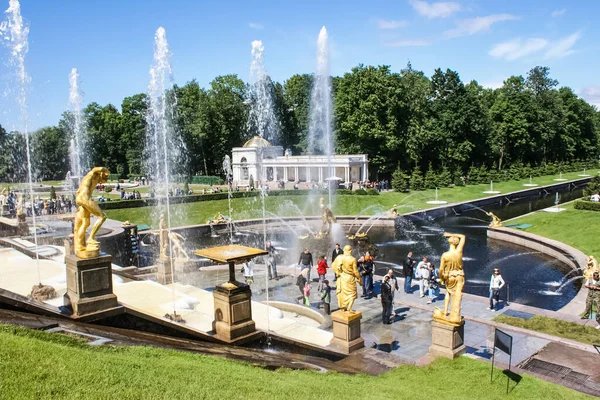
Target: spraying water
pixel 320 130
pixel 228 176
pixel 15 34
pixel 78 159
pixel 158 135
pixel 262 115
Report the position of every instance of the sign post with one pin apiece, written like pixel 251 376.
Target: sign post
pixel 503 342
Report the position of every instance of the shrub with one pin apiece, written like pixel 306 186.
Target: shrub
pixel 372 192
pixel 108 188
pixel 186 188
pixel 587 205
pixel 430 178
pixel 416 180
pixel 400 181
pixel 360 192
pixel 343 191
pixel 592 187
pixel 444 178
pixel 52 193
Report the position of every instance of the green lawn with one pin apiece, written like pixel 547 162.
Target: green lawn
pixel 555 327
pixel 573 227
pixel 199 212
pixel 42 365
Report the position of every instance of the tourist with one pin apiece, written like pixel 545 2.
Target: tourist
pixel 306 262
pixel 369 267
pixel 321 270
pixel 271 263
pixel 394 285
pixel 248 272
pixel 336 252
pixel 306 293
pixel 326 297
pixel 593 285
pixel 496 283
pixel 423 276
pixel 433 284
pixel 386 300
pixel 300 282
pixel 595 197
pixel 408 270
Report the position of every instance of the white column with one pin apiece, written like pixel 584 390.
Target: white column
pixel 307 174
pixel 285 174
pixel 275 173
pixel 296 174
pixel 347 174
pixel 320 175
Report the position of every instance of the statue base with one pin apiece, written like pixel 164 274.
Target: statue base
pixel 89 284
pixel 346 331
pixel 164 275
pixel 447 340
pixel 5 211
pixel 233 313
pixel 184 266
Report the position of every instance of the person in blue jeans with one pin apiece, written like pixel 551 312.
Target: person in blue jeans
pixel 433 284
pixel 408 270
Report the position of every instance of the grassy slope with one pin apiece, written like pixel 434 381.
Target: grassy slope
pixel 199 212
pixel 40 365
pixel 577 228
pixel 555 327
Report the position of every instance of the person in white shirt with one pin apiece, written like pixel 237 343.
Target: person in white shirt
pixel 423 276
pixel 595 197
pixel 496 283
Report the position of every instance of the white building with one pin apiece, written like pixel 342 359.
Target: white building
pixel 258 157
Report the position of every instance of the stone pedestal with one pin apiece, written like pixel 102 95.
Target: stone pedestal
pixel 4 211
pixel 89 284
pixel 346 331
pixel 233 312
pixel 164 275
pixel 185 266
pixel 447 340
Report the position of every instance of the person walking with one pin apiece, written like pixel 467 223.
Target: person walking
pixel 593 285
pixel 300 283
pixel 321 270
pixel 393 282
pixel 271 263
pixel 433 284
pixel 367 265
pixel 408 269
pixel 423 276
pixel 496 283
pixel 336 252
pixel 326 297
pixel 386 300
pixel 306 262
pixel 306 293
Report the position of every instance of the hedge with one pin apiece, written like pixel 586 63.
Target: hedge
pixel 587 205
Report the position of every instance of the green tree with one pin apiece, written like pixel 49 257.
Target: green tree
pixel 416 180
pixel 50 153
pixel 104 133
pixel 400 181
pixel 296 93
pixel 133 137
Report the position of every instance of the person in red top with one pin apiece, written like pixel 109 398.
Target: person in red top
pixel 321 270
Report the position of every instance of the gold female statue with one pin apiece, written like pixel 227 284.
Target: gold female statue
pixel 327 218
pixel 86 208
pixel 453 277
pixel 346 271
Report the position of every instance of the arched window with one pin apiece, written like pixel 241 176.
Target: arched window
pixel 243 161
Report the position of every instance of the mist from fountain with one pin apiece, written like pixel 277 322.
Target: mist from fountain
pixel 79 164
pixel 320 129
pixel 290 204
pixel 228 176
pixel 262 114
pixel 14 33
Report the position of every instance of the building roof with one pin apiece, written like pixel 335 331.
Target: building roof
pixel 257 141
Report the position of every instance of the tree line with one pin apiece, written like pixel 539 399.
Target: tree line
pixel 405 121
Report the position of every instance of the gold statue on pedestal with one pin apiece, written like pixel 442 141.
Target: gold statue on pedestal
pixel 327 218
pixel 591 267
pixel 496 222
pixel 86 208
pixel 346 271
pixel 453 277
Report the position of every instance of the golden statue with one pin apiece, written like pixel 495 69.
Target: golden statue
pixel 346 271
pixel 453 277
pixel 20 205
pixel 591 267
pixel 176 247
pixel 394 210
pixel 327 218
pixel 163 235
pixel 88 207
pixel 496 222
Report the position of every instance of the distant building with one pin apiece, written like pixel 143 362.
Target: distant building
pixel 258 157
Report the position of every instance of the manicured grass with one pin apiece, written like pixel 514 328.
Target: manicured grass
pixel 199 212
pixel 41 365
pixel 555 327
pixel 576 228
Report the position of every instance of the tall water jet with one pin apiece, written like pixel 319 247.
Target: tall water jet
pixel 15 34
pixel 320 130
pixel 78 129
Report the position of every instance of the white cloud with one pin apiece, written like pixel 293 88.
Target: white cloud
pixel 434 10
pixel 558 13
pixel 479 24
pixel 390 24
pixel 256 25
pixel 408 43
pixel 563 47
pixel 517 48
pixel 591 94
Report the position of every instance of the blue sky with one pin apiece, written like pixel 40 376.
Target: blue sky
pixel 111 43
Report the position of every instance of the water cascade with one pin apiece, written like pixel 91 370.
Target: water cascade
pixel 320 129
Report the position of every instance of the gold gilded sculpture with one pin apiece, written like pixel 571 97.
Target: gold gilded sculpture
pixel 394 210
pixel 163 234
pixel 88 207
pixel 453 277
pixel 496 222
pixel 327 218
pixel 346 271
pixel 591 267
pixel 20 206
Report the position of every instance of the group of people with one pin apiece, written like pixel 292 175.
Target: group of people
pixel 135 195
